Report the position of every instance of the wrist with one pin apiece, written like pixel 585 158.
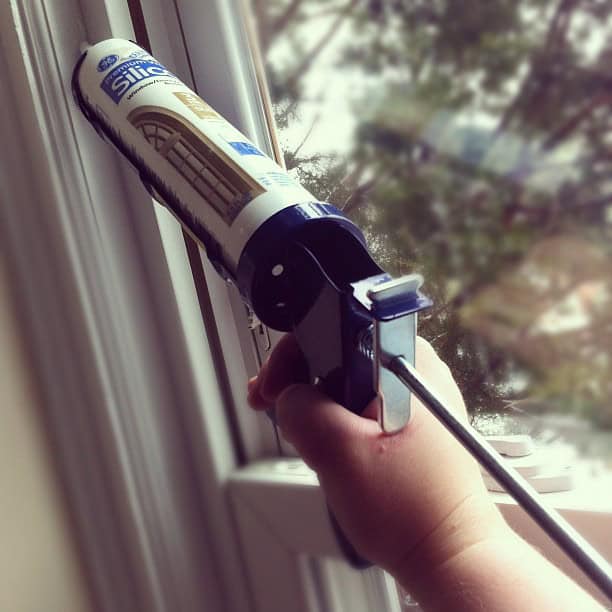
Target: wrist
pixel 502 573
pixel 473 522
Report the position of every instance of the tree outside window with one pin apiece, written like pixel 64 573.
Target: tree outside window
pixel 472 141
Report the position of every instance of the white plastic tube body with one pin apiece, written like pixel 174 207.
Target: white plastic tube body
pixel 215 174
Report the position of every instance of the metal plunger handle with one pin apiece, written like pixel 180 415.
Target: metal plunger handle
pixel 570 541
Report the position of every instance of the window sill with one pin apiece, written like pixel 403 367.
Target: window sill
pixel 283 497
pixel 591 494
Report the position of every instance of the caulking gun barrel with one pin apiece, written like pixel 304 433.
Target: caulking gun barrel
pixel 237 202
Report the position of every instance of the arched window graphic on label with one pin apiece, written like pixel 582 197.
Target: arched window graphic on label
pixel 213 174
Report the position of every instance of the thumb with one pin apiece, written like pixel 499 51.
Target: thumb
pixel 325 433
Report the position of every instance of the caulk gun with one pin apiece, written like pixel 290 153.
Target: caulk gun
pixel 299 264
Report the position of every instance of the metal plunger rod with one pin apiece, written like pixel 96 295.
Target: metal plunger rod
pixel 570 541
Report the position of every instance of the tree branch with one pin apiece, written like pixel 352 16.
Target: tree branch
pixel 556 33
pixel 563 131
pixel 307 61
pixel 357 197
pixel 307 136
pixel 360 191
pixel 278 25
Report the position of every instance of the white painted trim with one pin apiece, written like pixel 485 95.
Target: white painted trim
pixel 283 499
pixel 291 551
pixel 131 396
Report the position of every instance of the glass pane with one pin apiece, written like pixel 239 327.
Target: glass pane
pixel 472 141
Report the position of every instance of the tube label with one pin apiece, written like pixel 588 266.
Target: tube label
pixel 218 176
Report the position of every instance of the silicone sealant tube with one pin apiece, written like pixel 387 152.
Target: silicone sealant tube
pixel 236 201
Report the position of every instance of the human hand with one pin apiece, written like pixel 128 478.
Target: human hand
pixel 409 501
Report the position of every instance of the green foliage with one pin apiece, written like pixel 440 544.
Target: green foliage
pixel 486 133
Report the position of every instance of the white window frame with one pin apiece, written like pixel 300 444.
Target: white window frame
pixel 128 379
pixel 106 289
pixel 265 493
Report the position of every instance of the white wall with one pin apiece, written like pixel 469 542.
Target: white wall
pixel 39 570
